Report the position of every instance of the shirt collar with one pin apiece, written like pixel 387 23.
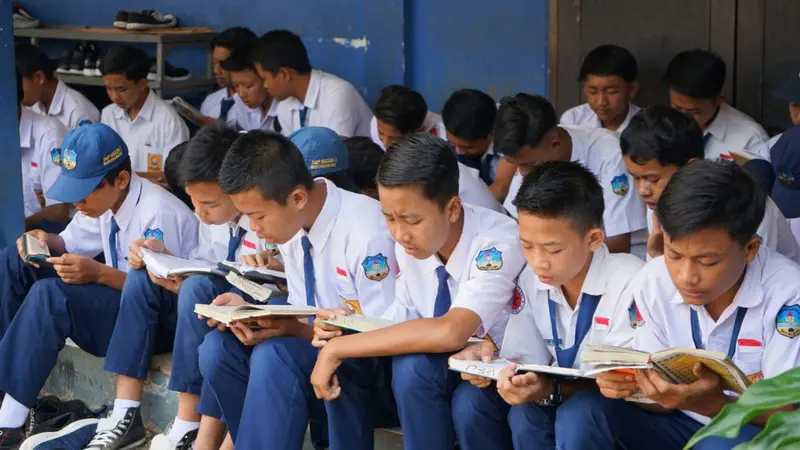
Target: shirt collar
pixel 26 128
pixel 57 105
pixel 145 113
pixel 128 208
pixel 719 126
pixel 273 109
pixel 321 230
pixel 596 279
pixel 312 94
pixel 241 222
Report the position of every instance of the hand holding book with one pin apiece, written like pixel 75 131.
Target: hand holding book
pixel 520 388
pixel 704 396
pixel 482 351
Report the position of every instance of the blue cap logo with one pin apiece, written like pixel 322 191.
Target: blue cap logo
pixel 786 177
pixel 69 159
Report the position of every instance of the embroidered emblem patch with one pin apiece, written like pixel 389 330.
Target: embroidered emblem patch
pixel 787 322
pixel 84 122
pixel 69 158
pixel 376 268
pixel 786 177
pixel 635 318
pixel 517 300
pixel 156 234
pixel 113 156
pixel 490 259
pixel 353 306
pixel 55 156
pixel 620 184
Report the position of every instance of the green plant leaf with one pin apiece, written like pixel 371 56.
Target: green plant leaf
pixel 761 397
pixel 782 432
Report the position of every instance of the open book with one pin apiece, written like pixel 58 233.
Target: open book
pixel 490 370
pixel 187 111
pixel 363 324
pixel 230 314
pixel 163 265
pixel 674 364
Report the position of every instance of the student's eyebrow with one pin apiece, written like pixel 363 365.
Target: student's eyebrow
pixel 404 216
pixel 550 244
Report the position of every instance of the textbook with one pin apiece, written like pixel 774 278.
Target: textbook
pixel 674 364
pixel 362 324
pixel 230 314
pixel 34 252
pixel 490 370
pixel 163 265
pixel 187 111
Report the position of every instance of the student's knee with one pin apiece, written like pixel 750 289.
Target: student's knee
pixel 280 355
pixel 46 294
pixel 196 289
pixel 137 285
pixel 215 352
pixel 410 372
pixel 584 414
pixel 469 404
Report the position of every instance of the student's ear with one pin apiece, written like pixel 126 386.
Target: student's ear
pixel 39 78
pixel 719 100
pixel 690 161
pixel 123 180
pixel 453 209
pixel 634 88
pixel 751 248
pixel 298 198
pixel 596 237
pixel 143 85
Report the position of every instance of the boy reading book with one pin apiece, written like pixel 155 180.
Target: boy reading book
pixel 715 288
pixel 458 264
pixel 572 293
pixel 337 252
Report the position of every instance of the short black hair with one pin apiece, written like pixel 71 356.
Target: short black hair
pixel 365 157
pixel 469 114
pixel 172 174
pixel 127 60
pixel 662 134
pixel 425 160
pixel 696 73
pixel 282 48
pixel 402 108
pixel 562 189
pixel 522 120
pixel 342 180
pixel 240 60
pixel 233 38
pixel 607 60
pixel 708 194
pixel 265 161
pixel 31 59
pixel 205 152
pixel 124 166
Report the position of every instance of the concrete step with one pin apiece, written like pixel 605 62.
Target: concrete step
pixel 80 375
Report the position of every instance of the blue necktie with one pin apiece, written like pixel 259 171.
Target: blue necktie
pixel 486 169
pixel 234 242
pixel 588 306
pixel 442 304
pixel 737 327
pixel 303 114
pixel 112 243
pixel 308 271
pixel 225 107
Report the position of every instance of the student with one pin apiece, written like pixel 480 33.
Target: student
pixel 218 104
pixel 572 293
pixel 337 252
pixel 717 289
pixel 150 127
pixel 609 77
pixel 365 157
pixel 786 161
pixel 149 306
pixel 48 95
pixel 172 177
pixel 527 133
pixel 789 92
pixel 40 142
pixel 401 111
pixel 325 155
pixel 257 110
pixel 656 144
pixel 72 295
pixel 695 79
pixel 308 97
pixel 458 265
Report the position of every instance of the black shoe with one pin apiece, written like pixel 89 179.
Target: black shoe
pixel 121 20
pixel 171 73
pixel 64 62
pixel 127 434
pixel 45 421
pixel 45 409
pixel 11 438
pixel 89 60
pixel 76 62
pixel 150 19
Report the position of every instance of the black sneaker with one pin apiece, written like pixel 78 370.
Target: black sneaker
pixel 64 62
pixel 150 19
pixel 45 409
pixel 171 73
pixel 127 434
pixel 162 442
pixel 89 60
pixel 11 438
pixel 76 62
pixel 121 20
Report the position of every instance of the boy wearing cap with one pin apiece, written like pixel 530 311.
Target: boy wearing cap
pixel 786 190
pixel 72 295
pixel 337 252
pixel 789 92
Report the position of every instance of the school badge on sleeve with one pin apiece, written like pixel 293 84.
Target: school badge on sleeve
pixel 517 300
pixel 620 184
pixel 154 233
pixel 55 156
pixel 69 158
pixel 376 268
pixel 787 322
pixel 635 318
pixel 490 259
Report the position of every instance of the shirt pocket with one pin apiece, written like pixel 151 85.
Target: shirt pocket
pixel 749 359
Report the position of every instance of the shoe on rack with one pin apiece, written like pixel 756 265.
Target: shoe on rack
pixel 77 59
pixel 89 59
pixel 128 433
pixel 22 18
pixel 171 73
pixel 121 20
pixel 64 62
pixel 162 442
pixel 151 19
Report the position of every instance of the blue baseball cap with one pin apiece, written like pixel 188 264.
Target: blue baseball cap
pixel 87 154
pixel 323 150
pixel 785 155
pixel 790 89
pixel 762 171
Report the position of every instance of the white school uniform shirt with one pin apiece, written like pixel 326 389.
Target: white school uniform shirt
pixel 483 270
pixel 472 190
pixel 598 150
pixel 529 334
pixel 147 211
pixel 489 153
pixel 584 116
pixel 212 103
pixel 771 142
pixel 353 254
pixel 212 240
pixel 250 119
pixel 70 107
pixel 39 135
pixel 734 131
pixel 433 124
pixel 332 102
pixel 155 131
pixel 767 344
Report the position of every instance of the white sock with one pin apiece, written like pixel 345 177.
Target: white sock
pixel 179 428
pixel 120 408
pixel 12 413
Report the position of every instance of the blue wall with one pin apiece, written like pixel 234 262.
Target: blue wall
pixel 434 46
